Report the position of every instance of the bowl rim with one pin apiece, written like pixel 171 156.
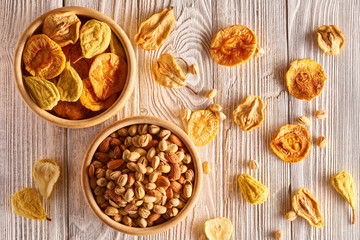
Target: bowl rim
pixel 82 123
pixel 87 192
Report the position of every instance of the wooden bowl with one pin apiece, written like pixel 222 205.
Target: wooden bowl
pixel 85 184
pixel 83 123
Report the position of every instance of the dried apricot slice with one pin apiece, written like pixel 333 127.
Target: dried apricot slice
pixel 107 75
pixel 203 126
pixel 71 110
pixel 330 39
pixel 305 79
pixel 233 45
pixel 89 100
pixel 70 84
pixel 79 63
pixel 62 27
pixel 43 57
pixel 116 47
pixel 292 143
pixel 249 114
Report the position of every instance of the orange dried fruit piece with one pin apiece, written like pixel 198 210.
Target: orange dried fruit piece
pixel 43 57
pixel 89 100
pixel 233 45
pixel 203 126
pixel 71 110
pixel 330 39
pixel 107 75
pixel 62 27
pixel 79 63
pixel 249 114
pixel 292 143
pixel 305 79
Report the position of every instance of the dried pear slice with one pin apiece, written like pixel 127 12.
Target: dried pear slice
pixel 44 92
pixel 305 79
pixel 46 172
pixel 71 110
pixel 203 126
pixel 94 38
pixel 167 72
pixel 330 39
pixel 218 229
pixel 292 143
pixel 116 47
pixel 62 27
pixel 89 100
pixel 26 203
pixel 43 57
pixel 233 45
pixel 249 114
pixel 108 75
pixel 70 84
pixel 154 31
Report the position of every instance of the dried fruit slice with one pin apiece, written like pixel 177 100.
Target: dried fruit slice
pixel 218 229
pixel 292 143
pixel 80 64
pixel 44 92
pixel 26 203
pixel 167 72
pixel 233 45
pixel 70 84
pixel 330 39
pixel 249 114
pixel 62 27
pixel 94 38
pixel 203 127
pixel 116 47
pixel 43 57
pixel 71 110
pixel 253 191
pixel 153 32
pixel 305 79
pixel 46 172
pixel 107 75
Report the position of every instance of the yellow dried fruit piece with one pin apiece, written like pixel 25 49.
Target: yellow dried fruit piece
pixel 108 75
pixel 46 172
pixel 167 72
pixel 253 191
pixel 116 47
pixel 305 79
pixel 70 84
pixel 218 229
pixel 62 27
pixel 233 45
pixel 330 39
pixel 249 114
pixel 292 143
pixel 44 92
pixel 43 57
pixel 153 32
pixel 26 203
pixel 344 184
pixel 203 126
pixel 71 110
pixel 94 38
pixel 307 206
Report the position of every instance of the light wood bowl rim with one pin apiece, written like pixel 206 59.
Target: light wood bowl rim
pixel 85 185
pixel 83 123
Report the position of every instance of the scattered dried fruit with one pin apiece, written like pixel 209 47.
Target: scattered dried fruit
pixel 194 69
pixel 330 39
pixel 203 126
pixel 218 229
pixel 46 172
pixel 207 167
pixel 320 114
pixel 305 79
pixel 116 47
pixel 211 93
pixel 344 184
pixel 253 191
pixel 71 110
pixel 43 57
pixel 249 114
pixel 290 216
pixel 304 120
pixel 307 206
pixel 153 32
pixel 233 45
pixel 70 84
pixel 253 165
pixel 185 114
pixel 322 141
pixel 279 235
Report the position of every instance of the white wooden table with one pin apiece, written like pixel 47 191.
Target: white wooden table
pixel 286 30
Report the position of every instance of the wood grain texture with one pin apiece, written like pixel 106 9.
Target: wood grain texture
pixel 286 31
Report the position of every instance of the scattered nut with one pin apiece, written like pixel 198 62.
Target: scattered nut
pixel 322 141
pixel 290 216
pixel 320 114
pixel 279 235
pixel 185 114
pixel 259 51
pixel 304 120
pixel 220 115
pixel 207 167
pixel 211 93
pixel 215 107
pixel 194 69
pixel 253 165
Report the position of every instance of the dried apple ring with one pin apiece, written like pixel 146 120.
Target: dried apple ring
pixel 305 79
pixel 107 75
pixel 292 143
pixel 62 27
pixel 43 57
pixel 249 114
pixel 330 39
pixel 203 126
pixel 233 45
pixel 71 110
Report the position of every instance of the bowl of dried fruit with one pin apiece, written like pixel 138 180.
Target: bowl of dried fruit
pixel 141 175
pixel 74 67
